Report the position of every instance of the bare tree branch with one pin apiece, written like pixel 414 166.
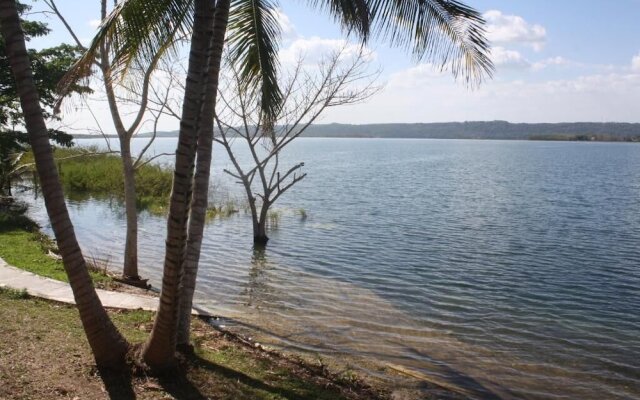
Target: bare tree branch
pixel 150 159
pixel 340 79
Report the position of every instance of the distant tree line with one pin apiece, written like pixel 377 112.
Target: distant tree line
pixel 498 130
pixel 588 138
pixel 607 131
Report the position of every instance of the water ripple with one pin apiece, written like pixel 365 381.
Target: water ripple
pixel 507 268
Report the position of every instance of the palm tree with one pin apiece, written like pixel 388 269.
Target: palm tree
pixel 444 31
pixel 200 199
pixel 158 351
pixel 108 346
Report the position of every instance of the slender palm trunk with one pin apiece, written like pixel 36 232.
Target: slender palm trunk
pixel 108 346
pixel 203 168
pixel 159 350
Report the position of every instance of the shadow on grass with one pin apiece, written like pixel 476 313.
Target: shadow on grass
pixel 180 387
pixel 15 221
pixel 118 384
pixel 239 377
pixel 178 383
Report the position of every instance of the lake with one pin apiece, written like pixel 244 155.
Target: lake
pixel 510 269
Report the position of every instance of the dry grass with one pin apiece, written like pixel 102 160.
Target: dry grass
pixel 43 354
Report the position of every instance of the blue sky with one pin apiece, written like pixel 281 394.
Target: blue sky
pixel 556 61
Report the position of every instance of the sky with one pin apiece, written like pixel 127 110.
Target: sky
pixel 556 61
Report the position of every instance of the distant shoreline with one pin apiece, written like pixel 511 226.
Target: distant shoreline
pixel 480 130
pixel 635 139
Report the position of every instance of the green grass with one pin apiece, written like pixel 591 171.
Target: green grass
pixel 14 294
pixel 273 218
pixel 84 174
pixel 302 213
pixel 50 335
pixel 225 210
pixel 23 246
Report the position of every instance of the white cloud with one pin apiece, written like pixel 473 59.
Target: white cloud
pixel 94 23
pixel 508 59
pixel 553 61
pixel 313 50
pixel 635 63
pixel 417 76
pixel 423 94
pixel 504 29
pixel 288 29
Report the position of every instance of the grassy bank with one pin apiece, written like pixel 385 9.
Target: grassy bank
pixel 24 246
pixel 86 173
pixel 49 358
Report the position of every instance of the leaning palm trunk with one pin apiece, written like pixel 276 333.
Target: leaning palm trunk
pixel 159 351
pixel 108 346
pixel 201 182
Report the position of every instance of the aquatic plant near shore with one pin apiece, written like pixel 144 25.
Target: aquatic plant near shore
pixel 274 218
pixel 302 213
pixel 88 171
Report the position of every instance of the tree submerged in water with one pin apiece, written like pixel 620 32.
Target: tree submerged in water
pixel 341 78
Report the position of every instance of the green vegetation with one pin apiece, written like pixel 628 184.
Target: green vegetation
pixel 479 130
pixel 587 138
pixel 225 210
pixel 498 130
pixel 48 66
pixel 85 172
pixel 274 218
pixel 15 294
pixel 50 335
pixel 24 246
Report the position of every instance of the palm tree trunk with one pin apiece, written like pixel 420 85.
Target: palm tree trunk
pixel 159 350
pixel 108 346
pixel 203 168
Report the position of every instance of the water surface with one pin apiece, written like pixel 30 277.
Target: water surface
pixel 507 268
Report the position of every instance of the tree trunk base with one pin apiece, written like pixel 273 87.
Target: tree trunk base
pixel 186 349
pixel 133 281
pixel 260 241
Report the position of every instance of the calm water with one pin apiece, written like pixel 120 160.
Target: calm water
pixel 506 268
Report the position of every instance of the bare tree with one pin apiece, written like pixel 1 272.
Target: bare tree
pixel 341 78
pixel 119 97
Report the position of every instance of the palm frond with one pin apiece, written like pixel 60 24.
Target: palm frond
pixel 446 32
pixel 134 33
pixel 253 36
pixel 352 15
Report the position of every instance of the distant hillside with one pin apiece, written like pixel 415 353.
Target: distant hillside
pixel 482 130
pixel 606 131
